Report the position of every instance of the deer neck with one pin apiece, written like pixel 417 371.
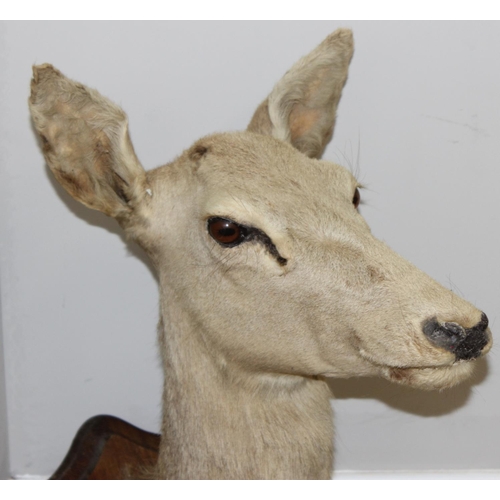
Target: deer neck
pixel 222 422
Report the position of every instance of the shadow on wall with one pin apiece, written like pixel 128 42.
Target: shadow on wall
pixel 415 401
pixel 95 218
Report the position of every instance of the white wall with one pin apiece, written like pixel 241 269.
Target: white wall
pixel 419 117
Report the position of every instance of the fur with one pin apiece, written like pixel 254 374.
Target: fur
pixel 246 339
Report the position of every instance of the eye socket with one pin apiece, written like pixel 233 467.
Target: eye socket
pixel 226 232
pixel 356 198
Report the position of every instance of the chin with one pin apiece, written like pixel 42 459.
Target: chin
pixel 435 378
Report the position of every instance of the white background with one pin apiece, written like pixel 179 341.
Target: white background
pixel 419 119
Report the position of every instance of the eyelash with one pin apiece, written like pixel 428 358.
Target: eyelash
pixel 356 199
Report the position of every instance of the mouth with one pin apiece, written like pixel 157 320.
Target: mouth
pixel 450 363
pixel 430 378
pixel 442 375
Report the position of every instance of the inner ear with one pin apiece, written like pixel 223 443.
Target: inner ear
pixel 86 143
pixel 302 107
pixel 197 152
pixel 121 188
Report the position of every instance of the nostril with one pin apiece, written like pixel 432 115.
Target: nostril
pixel 445 335
pixel 477 339
pixel 483 324
pixel 465 343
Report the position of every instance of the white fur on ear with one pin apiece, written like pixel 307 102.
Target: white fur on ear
pixel 149 192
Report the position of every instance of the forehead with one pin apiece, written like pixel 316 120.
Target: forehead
pixel 247 173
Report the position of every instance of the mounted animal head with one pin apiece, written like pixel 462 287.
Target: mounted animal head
pixel 261 252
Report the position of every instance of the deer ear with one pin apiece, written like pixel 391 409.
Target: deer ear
pixel 301 108
pixel 86 143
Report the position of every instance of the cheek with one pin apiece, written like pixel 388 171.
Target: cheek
pixel 260 329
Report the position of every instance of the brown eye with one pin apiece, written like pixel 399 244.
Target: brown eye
pixel 356 199
pixel 226 232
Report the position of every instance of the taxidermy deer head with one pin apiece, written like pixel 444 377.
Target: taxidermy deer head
pixel 270 279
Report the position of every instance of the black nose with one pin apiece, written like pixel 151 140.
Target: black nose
pixel 465 343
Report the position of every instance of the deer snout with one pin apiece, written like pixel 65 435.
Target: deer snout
pixel 465 343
